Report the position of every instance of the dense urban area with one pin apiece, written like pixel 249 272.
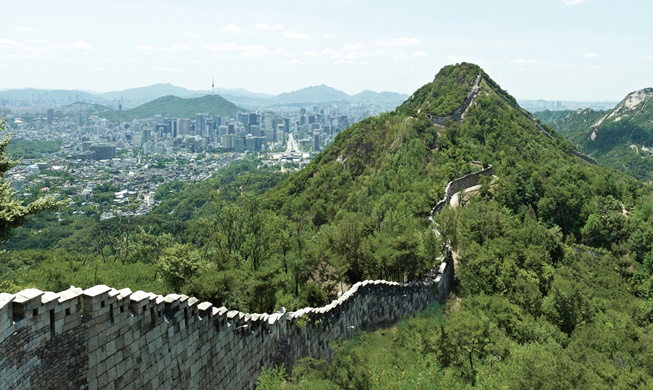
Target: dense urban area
pixel 72 152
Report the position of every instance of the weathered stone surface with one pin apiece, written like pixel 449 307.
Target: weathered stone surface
pixel 124 340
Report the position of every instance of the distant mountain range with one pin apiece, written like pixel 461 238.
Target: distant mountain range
pixel 561 105
pixel 621 138
pixel 135 96
pixel 46 97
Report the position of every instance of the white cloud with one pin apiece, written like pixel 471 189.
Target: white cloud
pixel 77 45
pixel 451 58
pixel 117 60
pixel 523 61
pixel 8 42
pixel 348 54
pixel 591 55
pixel 181 48
pixel 245 51
pixel 420 54
pixel 329 35
pixel 24 29
pixel 574 2
pixel 266 26
pixel 295 35
pixel 145 47
pixel 191 34
pixel 328 52
pixel 166 69
pixel 233 29
pixel 646 58
pixel 398 42
pixel 295 62
pixel 26 49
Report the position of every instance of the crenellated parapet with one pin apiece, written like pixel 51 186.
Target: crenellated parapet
pixel 103 338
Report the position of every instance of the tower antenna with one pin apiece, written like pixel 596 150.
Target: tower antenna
pixel 212 85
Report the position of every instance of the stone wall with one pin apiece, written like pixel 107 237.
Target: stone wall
pixel 460 184
pixel 457 115
pixel 101 338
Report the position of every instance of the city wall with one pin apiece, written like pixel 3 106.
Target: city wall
pixel 101 338
pixel 457 115
pixel 460 184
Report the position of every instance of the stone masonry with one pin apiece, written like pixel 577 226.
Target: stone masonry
pixel 102 338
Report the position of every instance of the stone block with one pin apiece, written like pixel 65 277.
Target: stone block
pixel 25 303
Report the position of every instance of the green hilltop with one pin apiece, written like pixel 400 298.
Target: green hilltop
pixel 176 107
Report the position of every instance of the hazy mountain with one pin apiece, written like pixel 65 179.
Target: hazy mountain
pixel 564 105
pixel 134 96
pixel 621 138
pixel 243 93
pixel 313 94
pixel 55 96
pixel 371 96
pixel 149 92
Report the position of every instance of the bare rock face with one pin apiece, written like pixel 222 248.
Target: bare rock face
pixel 628 108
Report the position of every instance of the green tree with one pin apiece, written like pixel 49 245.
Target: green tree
pixel 12 210
pixel 179 263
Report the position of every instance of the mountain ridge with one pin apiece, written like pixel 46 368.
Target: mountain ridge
pixel 619 138
pixel 140 95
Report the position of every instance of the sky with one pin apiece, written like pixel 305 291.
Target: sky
pixel 589 50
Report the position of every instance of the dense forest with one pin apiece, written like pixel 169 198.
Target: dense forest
pixel 554 271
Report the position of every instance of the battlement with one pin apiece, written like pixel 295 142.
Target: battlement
pixel 106 338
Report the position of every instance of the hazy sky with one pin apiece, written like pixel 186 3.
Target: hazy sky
pixel 548 49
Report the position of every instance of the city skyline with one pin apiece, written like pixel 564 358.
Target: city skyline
pixel 557 49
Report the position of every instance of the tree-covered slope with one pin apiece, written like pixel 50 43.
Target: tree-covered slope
pixel 553 288
pixel 176 107
pixel 620 138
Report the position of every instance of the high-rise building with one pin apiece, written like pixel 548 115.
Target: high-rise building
pixel 253 121
pixel 50 115
pixel 228 141
pixel 316 142
pixel 200 120
pixel 269 134
pixel 183 126
pixel 103 151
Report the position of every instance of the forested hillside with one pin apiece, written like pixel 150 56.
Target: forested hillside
pixel 553 283
pixel 554 269
pixel 620 138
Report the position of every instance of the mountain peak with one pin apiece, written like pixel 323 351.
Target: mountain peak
pixel 451 87
pixel 629 107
